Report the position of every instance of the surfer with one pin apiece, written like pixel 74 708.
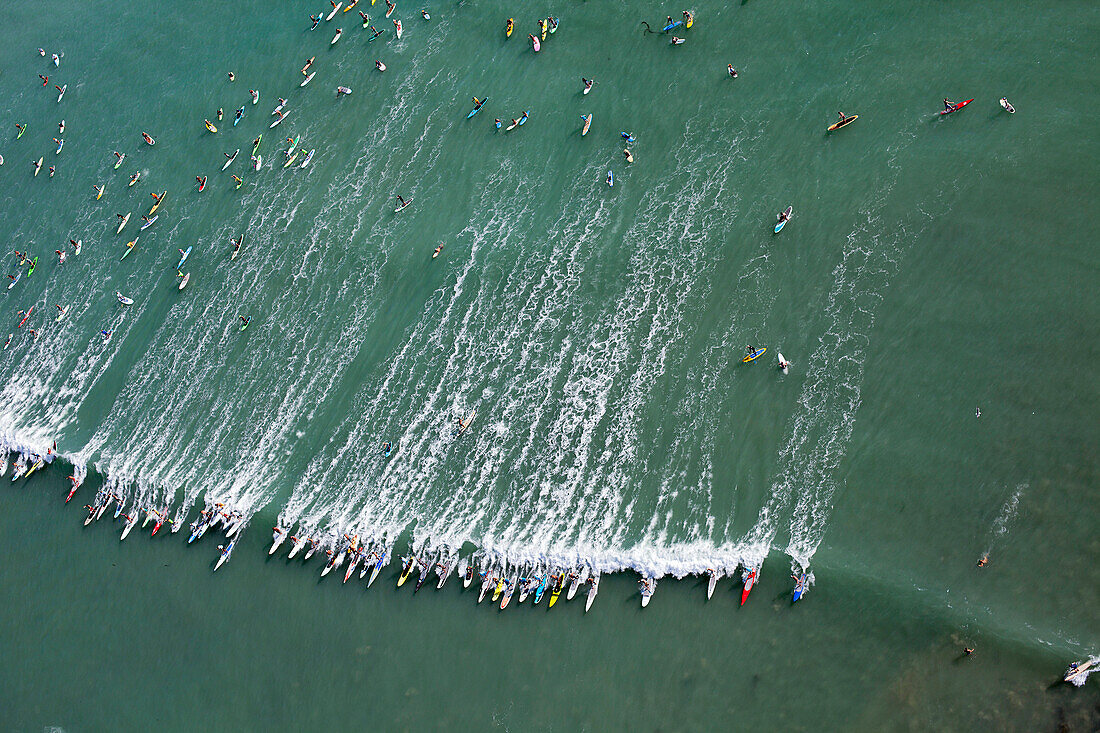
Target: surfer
pixel 245 320
pixel 401 202
pixel 155 197
pixel 732 71
pixel 782 216
pixel 983 561
pixel 379 65
pixel 497 122
pixel 947 106
pixel 238 180
pixel 478 103
pixel 239 114
pixel 61 256
pixel 45 79
pixel 587 83
pixel 677 41
pixel 389 7
pixel 255 96
pixel 669 19
pixel 20 127
pixel 387 447
pixel 843 117
pixel 201 180
pixel 52 171
pixel 783 364
pixel 232 76
pixel 316 20
pixel 425 14
pixel 74 244
pixel 220 114
pixel 61 127
pixel 750 349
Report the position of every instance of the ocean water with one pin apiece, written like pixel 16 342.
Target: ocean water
pixel 935 266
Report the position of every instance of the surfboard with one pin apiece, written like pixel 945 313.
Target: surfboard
pixel 779 226
pixel 587 124
pixel 782 361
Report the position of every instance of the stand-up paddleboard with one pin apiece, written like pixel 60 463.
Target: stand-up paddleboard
pixel 786 218
pixel 158 203
pixel 237 247
pixel 689 19
pixel 587 124
pixel 256 146
pixel 343 91
pixel 477 109
pixel 308 158
pixel 842 123
pixel 376 34
pixel 1008 107
pixel 535 44
pixel 38 167
pixel 307 80
pixel 257 160
pixel 610 179
pixel 291 159
pixel 149 223
pixel 783 363
pixel 351 5
pixel 247 321
pixel 148 138
pixel 754 355
pixel 62 94
pixel 231 159
pixel 542 26
pixel 202 183
pixel 34 263
pixel 210 126
pixel 13 282
pixel 25 317
pixel 397 28
pixel 524 116
pixel 280 119
pixel 958 106
pixel 79 245
pixel 134 178
pixel 332 14
pixel 509 27
pixel 339 32
pixel 124 220
pixel 186 254
pixel 186 279
pixel 673 24
pixel 389 11
pixel 119 161
pixel 129 248
pixel 60 144
pixel 403 206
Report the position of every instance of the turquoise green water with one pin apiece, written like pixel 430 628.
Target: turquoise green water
pixel 934 265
